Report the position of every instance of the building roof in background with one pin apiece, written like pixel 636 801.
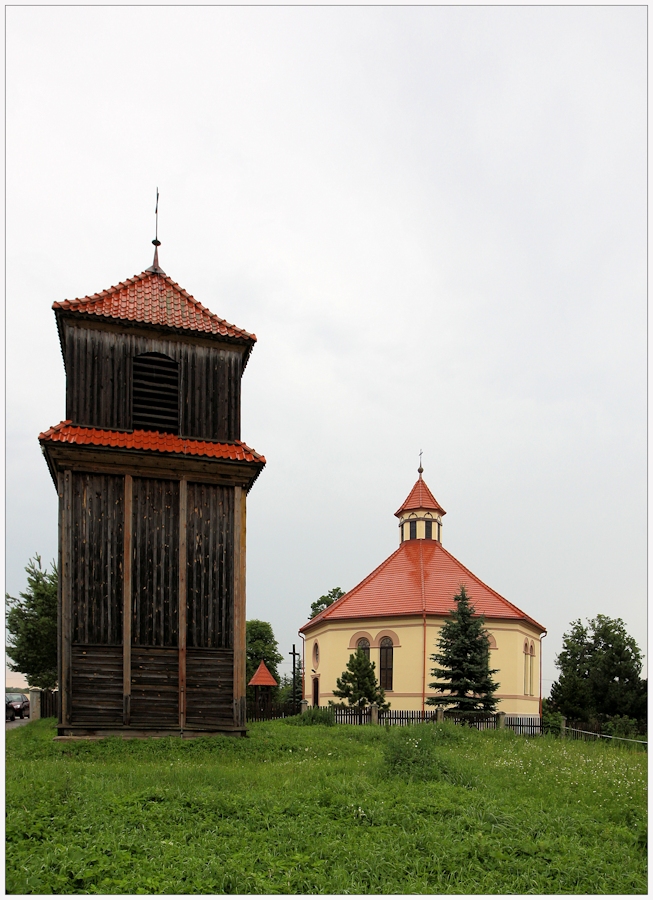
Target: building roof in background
pixel 153 298
pixel 67 433
pixel 262 677
pixel 420 577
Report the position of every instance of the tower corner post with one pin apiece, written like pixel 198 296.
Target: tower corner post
pixel 240 623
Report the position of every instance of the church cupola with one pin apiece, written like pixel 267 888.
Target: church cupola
pixel 420 515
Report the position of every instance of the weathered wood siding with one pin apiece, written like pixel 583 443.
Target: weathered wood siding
pixel 209 549
pixel 155 687
pixel 96 685
pixel 99 382
pixel 96 558
pixel 209 686
pixel 155 563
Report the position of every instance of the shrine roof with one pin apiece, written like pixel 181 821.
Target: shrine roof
pixel 420 577
pixel 420 497
pixel 153 298
pixel 66 432
pixel 262 677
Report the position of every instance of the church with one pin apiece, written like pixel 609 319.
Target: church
pixel 395 615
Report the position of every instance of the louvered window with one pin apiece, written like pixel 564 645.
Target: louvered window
pixel 413 529
pixel 428 530
pixel 155 394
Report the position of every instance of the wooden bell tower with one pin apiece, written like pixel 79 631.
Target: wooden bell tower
pixel 152 479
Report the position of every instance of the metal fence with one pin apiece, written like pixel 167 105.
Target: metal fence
pixel 580 734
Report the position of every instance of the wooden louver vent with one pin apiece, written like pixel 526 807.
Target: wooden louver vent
pixel 155 394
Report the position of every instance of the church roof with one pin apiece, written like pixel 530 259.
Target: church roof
pixel 420 498
pixel 153 298
pixel 67 433
pixel 420 577
pixel 262 677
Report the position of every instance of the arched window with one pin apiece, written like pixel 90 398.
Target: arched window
pixel 364 645
pixel 531 674
pixel 316 654
pixel 527 669
pixel 316 692
pixel 385 669
pixel 155 393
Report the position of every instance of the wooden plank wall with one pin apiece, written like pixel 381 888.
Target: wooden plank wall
pixel 96 685
pixel 155 687
pixel 155 562
pixel 99 378
pixel 209 587
pixel 209 686
pixel 97 558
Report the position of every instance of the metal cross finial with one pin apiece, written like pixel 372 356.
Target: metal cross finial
pixel 420 470
pixel 157 243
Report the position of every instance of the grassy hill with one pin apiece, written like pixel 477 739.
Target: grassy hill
pixel 358 810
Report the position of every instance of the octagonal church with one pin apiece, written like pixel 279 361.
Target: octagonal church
pixel 395 615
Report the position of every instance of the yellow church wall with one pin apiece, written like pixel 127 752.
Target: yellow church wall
pixel 337 641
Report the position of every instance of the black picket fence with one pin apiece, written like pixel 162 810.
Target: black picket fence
pixel 49 704
pixel 266 710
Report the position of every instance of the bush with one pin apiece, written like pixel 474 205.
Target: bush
pixel 621 726
pixel 313 716
pixel 551 719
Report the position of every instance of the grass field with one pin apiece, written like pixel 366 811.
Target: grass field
pixel 341 810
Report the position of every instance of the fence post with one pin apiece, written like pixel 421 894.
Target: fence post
pixel 303 706
pixel 501 720
pixel 563 725
pixel 439 714
pixel 374 714
pixel 34 704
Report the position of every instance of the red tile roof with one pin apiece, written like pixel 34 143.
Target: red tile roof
pixel 420 498
pixel 262 677
pixel 421 576
pixel 154 299
pixel 67 433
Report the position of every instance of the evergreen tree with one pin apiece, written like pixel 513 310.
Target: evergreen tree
pixel 326 600
pixel 32 627
pixel 464 661
pixel 358 684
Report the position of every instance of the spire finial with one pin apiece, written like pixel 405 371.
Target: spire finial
pixel 157 243
pixel 420 470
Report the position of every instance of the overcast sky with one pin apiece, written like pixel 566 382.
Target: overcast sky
pixel 434 220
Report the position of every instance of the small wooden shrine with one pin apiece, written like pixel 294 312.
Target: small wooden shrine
pixel 152 480
pixel 262 681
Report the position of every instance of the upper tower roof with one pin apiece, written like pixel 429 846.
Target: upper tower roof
pixel 263 677
pixel 420 498
pixel 153 298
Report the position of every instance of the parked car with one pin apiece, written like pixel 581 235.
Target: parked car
pixel 20 704
pixel 10 712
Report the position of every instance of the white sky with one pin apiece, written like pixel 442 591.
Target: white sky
pixel 434 219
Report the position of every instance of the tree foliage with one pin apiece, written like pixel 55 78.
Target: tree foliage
pixel 32 627
pixel 286 684
pixel 325 601
pixel 463 661
pixel 262 645
pixel 358 685
pixel 600 666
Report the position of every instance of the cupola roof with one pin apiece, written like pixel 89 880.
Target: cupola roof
pixel 262 677
pixel 420 498
pixel 153 298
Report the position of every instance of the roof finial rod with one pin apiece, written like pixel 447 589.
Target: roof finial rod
pixel 420 470
pixel 157 243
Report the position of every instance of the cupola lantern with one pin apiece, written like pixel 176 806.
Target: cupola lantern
pixel 420 515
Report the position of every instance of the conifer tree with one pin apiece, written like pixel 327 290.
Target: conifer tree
pixel 358 684
pixel 463 661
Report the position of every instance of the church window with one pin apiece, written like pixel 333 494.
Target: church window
pixel 364 645
pixel 385 670
pixel 316 692
pixel 428 530
pixel 316 653
pixel 527 670
pixel 413 529
pixel 155 393
pixel 531 674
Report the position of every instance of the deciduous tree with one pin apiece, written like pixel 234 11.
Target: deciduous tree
pixel 463 670
pixel 326 600
pixel 600 666
pixel 262 645
pixel 32 627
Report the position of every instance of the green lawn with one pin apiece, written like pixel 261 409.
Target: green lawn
pixel 343 810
